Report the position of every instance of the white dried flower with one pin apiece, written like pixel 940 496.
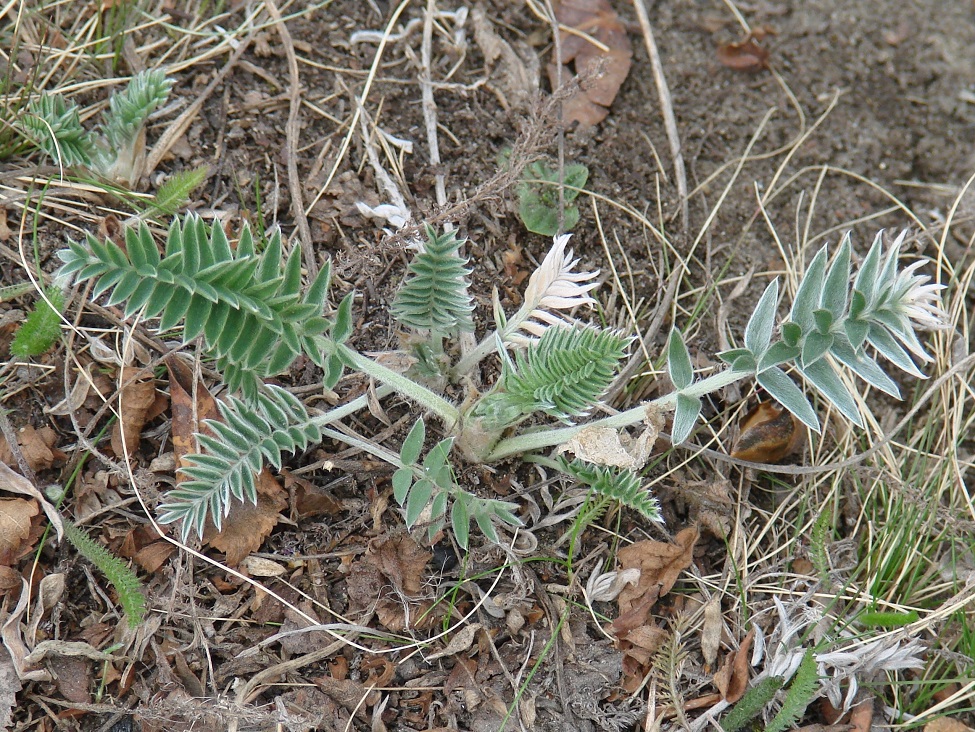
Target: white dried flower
pixel 903 300
pixel 917 300
pixel 553 286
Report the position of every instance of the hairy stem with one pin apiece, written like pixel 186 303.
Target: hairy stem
pixel 402 385
pixel 551 437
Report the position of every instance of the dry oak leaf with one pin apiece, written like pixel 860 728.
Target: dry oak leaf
pixel 660 564
pixel 15 522
pixel 602 72
pixel 137 397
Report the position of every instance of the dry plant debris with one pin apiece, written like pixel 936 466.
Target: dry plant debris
pixel 601 71
pixel 435 640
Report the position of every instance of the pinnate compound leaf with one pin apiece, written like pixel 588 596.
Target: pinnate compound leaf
pixel 563 374
pixel 54 125
pixel 679 361
pixel 175 192
pixel 624 486
pixel 752 703
pixel 251 433
pixel 784 390
pixel 758 332
pixel 434 296
pixel 129 109
pixel 126 583
pixel 41 330
pixel 249 308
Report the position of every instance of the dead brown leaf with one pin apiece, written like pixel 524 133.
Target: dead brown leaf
pixel 247 525
pixel 602 72
pixel 309 499
pixel 659 563
pixel 37 447
pixel 861 716
pixel 946 724
pixel 15 522
pixel 189 407
pixel 768 433
pixel 137 397
pixel 72 674
pixel 143 545
pixel 14 482
pixel 350 694
pixel 401 560
pixel 732 678
pixel 746 55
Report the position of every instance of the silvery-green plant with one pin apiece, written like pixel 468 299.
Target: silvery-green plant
pixel 54 125
pixel 247 305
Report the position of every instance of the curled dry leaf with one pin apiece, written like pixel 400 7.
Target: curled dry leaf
pixel 711 630
pixel 659 563
pixel 746 55
pixel 459 642
pixel 601 72
pixel 15 522
pixel 137 397
pixel 14 482
pixel 732 678
pixel 606 587
pixel 612 447
pixel 401 560
pixel 768 434
pixel 37 447
pixel 516 77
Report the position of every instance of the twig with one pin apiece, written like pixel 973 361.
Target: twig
pixel 666 107
pixel 636 360
pixel 8 432
pixel 429 105
pixel 291 130
pixel 182 123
